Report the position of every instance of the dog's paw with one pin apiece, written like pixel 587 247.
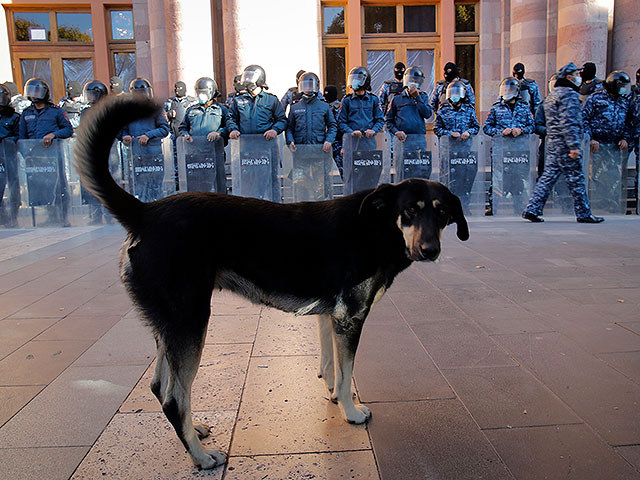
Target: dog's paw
pixel 211 459
pixel 361 414
pixel 202 429
pixel 218 456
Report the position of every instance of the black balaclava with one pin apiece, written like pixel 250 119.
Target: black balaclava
pixel 588 71
pixel 450 72
pixel 330 93
pixel 398 71
pixel 518 71
pixel 180 88
pixel 115 84
pixel 74 89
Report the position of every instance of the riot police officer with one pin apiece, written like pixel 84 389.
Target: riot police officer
pixel 360 114
pixel 9 130
pixel 147 128
pixel 529 90
pixel 390 88
pixel 18 101
pixel 206 118
pixel 311 120
pixel 93 92
pixel 292 94
pixel 456 116
pixel 237 89
pixel 72 103
pixel 510 115
pixel 590 83
pixel 176 107
pixel 540 128
pixel 564 136
pixel 115 86
pixel 409 110
pixel 440 91
pixel 330 94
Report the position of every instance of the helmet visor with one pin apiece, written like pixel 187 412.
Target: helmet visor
pixel 415 80
pixel 37 91
pixel 308 85
pixel 204 94
pixel 624 89
pixel 250 77
pixel 92 95
pixel 357 80
pixel 508 92
pixel 456 93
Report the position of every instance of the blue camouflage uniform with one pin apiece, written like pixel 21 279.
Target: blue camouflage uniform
pixel 36 123
pixel 257 114
pixel 534 93
pixel 439 93
pixel 607 119
pixel 564 133
pixel 501 116
pixel 200 120
pixel 540 129
pixel 311 122
pixel 450 119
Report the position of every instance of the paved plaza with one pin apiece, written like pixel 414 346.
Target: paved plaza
pixel 517 356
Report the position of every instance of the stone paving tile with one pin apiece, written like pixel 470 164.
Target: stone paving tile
pixel 630 454
pixel 422 307
pixel 38 363
pixel 632 326
pixel 628 363
pixel 12 399
pixel 11 304
pixel 105 304
pixel 392 365
pixel 16 332
pixel 232 329
pixel 511 320
pixel 73 409
pixel 600 395
pixel 285 409
pixel 283 333
pixel 218 384
pixel 603 296
pixel 565 451
pixel 79 328
pixel 433 439
pixel 600 338
pixel 228 303
pixel 460 344
pixel 508 396
pixel 326 466
pixel 144 446
pixel 56 463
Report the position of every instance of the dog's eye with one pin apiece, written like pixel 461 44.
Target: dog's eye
pixel 411 210
pixel 442 211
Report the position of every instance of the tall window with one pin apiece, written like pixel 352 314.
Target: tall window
pixel 334 45
pixel 466 40
pixel 122 47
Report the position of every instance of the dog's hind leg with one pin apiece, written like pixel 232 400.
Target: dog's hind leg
pixel 161 374
pixel 326 372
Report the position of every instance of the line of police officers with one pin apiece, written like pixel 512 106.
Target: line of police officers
pixel 611 114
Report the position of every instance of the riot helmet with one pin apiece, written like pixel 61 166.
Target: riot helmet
pixel 74 89
pixel 518 71
pixel 509 89
pixel 36 90
pixel 5 96
pixel 456 92
pixel 13 88
pixel 180 89
pixel 398 71
pixel 552 82
pixel 253 77
pixel 450 72
pixel 413 76
pixel 237 83
pixel 588 71
pixel 330 93
pixel 308 84
pixel 359 78
pixel 299 74
pixel 115 85
pixel 141 86
pixel 93 91
pixel 206 89
pixel 618 83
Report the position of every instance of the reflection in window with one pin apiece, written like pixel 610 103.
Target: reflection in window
pixel 420 18
pixel 335 61
pixel 78 69
pixel 466 18
pixel 34 21
pixel 125 64
pixel 333 20
pixel 74 27
pixel 425 60
pixel 380 64
pixel 121 24
pixel 379 19
pixel 466 62
pixel 36 67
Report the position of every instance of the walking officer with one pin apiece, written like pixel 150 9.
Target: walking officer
pixel 564 136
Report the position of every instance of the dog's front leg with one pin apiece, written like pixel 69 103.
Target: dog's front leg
pixel 346 335
pixel 326 372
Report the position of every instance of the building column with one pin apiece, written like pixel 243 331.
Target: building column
pixel 626 37
pixel 529 37
pixel 582 33
pixel 354 32
pixel 447 34
pixel 490 56
pixel 158 42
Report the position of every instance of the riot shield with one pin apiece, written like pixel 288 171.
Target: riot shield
pixel 413 158
pixel 367 162
pixel 608 179
pixel 152 169
pixel 255 163
pixel 460 161
pixel 560 200
pixel 201 165
pixel 9 184
pixel 514 162
pixel 45 181
pixel 307 172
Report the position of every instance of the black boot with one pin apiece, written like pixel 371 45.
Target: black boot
pixel 590 219
pixel 531 217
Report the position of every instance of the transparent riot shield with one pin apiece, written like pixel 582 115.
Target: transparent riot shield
pixel 9 184
pixel 460 162
pixel 255 163
pixel 367 162
pixel 413 158
pixel 201 165
pixel 514 162
pixel 560 200
pixel 307 174
pixel 152 169
pixel 608 179
pixel 45 181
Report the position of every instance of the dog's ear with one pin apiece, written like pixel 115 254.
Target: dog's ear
pixel 379 200
pixel 457 217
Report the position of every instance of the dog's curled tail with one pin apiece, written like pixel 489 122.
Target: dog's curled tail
pixel 100 126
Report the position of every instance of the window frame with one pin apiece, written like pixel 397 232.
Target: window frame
pixel 400 33
pixel 53 26
pixel 108 11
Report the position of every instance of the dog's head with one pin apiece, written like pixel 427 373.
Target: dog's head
pixel 421 210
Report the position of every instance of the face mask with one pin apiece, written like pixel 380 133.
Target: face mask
pixel 203 98
pixel 576 80
pixel 415 84
pixel 399 74
pixel 455 99
pixel 624 91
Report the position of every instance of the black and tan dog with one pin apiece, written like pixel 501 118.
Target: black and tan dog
pixel 333 259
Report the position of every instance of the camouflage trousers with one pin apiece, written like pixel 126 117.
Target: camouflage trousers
pixel 572 170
